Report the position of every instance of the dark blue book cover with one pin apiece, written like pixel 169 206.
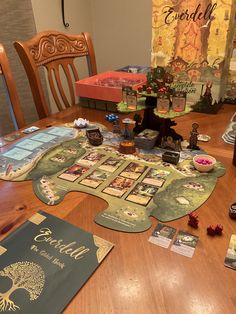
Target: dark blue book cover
pixel 45 262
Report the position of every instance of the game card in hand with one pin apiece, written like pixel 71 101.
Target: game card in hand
pixel 162 235
pixel 184 244
pixel 230 260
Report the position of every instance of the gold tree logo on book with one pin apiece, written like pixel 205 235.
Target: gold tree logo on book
pixel 24 275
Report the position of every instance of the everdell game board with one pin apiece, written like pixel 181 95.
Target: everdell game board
pixel 59 160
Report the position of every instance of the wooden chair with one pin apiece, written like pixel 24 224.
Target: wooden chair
pixel 56 52
pixel 11 93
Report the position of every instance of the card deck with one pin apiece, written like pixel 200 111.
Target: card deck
pixel 230 259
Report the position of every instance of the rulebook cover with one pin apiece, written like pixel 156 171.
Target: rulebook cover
pixel 45 262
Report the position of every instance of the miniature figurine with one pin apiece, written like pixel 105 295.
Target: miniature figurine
pixel 193 137
pixel 138 119
pixel 193 220
pixel 114 119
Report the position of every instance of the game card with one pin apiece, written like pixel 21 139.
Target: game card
pixel 60 131
pixel 73 173
pixel 133 171
pixel 13 137
pixel 43 137
pixel 30 130
pixel 156 177
pixel 28 144
pixel 17 153
pixel 90 159
pixel 162 235
pixel 94 179
pixel 111 164
pixel 230 259
pixel 58 158
pixel 119 186
pixel 142 194
pixel 184 244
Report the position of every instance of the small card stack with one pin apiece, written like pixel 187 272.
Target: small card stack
pixel 230 259
pixel 146 139
pixel 230 133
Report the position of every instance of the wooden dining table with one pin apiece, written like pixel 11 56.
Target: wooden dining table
pixel 137 276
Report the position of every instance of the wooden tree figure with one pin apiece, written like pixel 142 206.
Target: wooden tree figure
pixel 193 137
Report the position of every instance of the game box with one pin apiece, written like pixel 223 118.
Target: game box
pixel 108 85
pixel 193 41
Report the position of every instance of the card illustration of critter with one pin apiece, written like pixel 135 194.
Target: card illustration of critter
pixel 185 243
pixel 111 164
pixel 119 186
pixel 94 179
pixel 90 159
pixel 142 194
pixel 162 235
pixel 156 177
pixel 230 259
pixel 133 171
pixel 73 173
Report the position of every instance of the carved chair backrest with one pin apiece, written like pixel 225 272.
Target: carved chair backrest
pixel 56 52
pixel 11 93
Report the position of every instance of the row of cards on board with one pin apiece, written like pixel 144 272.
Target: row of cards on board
pixel 141 193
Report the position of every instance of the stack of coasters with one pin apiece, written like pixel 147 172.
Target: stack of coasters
pixel 146 139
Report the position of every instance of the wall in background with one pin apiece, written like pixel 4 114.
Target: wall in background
pixel 122 32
